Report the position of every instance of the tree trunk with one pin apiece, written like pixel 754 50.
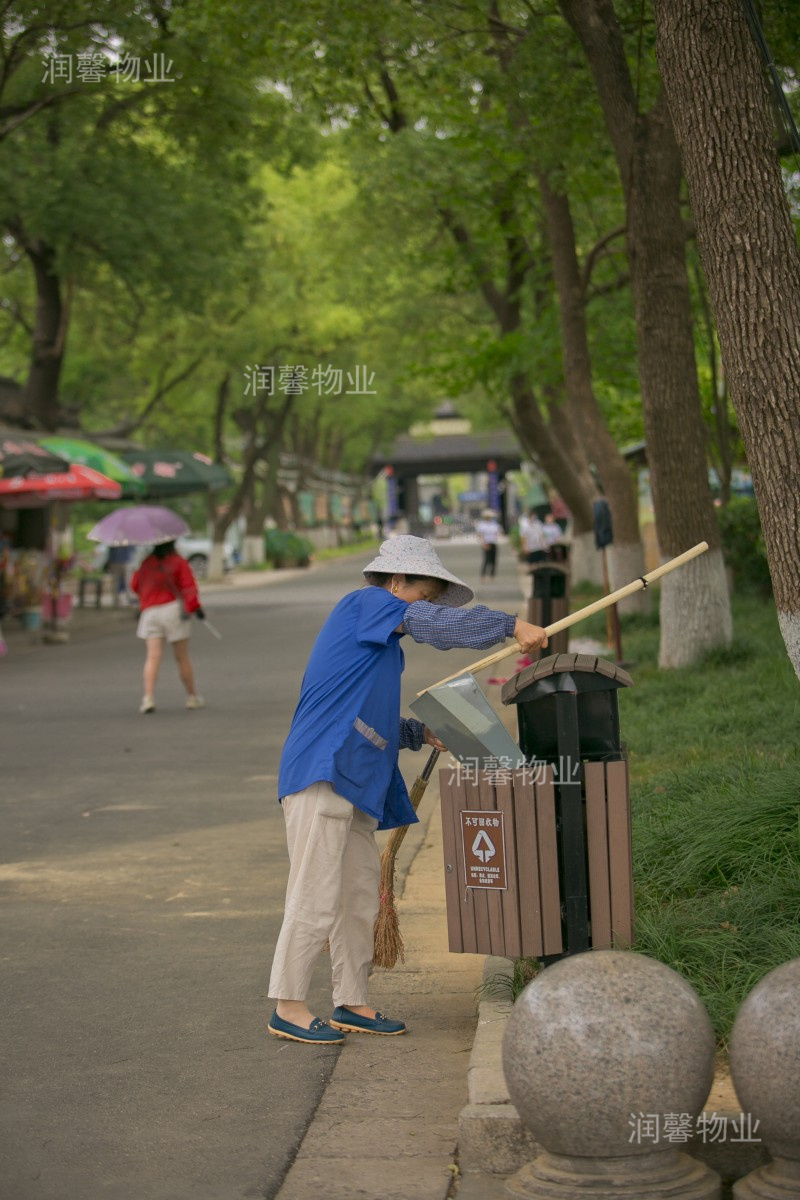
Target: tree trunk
pixel 269 502
pixel 219 521
pixel 722 113
pixel 649 165
pixel 551 453
pixel 695 605
pixel 721 444
pixel 561 456
pixel 626 554
pixel 49 337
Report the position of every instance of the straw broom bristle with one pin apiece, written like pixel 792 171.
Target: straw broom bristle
pixel 388 940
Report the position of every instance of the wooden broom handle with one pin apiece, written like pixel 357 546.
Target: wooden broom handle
pixel 415 796
pixel 588 611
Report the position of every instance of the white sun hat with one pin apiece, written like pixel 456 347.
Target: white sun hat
pixel 407 555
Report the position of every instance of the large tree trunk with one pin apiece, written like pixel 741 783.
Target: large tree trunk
pixel 626 554
pixel 49 338
pixel 219 521
pixel 556 451
pixel 695 604
pixel 722 114
pixel 695 607
pixel 267 504
pixel 569 473
pixel 559 454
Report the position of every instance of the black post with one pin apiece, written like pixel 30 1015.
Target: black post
pixel 546 598
pixel 569 792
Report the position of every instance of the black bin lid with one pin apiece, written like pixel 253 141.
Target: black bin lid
pixel 564 673
pixel 547 567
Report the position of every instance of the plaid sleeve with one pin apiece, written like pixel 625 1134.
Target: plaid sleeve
pixel 475 628
pixel 412 734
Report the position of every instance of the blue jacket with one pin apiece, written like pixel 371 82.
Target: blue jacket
pixel 346 727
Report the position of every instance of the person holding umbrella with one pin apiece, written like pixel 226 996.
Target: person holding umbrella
pixel 167 591
pixel 166 587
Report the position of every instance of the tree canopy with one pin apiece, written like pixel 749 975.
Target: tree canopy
pixel 479 200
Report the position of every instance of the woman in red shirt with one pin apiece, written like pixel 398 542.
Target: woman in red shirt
pixel 167 592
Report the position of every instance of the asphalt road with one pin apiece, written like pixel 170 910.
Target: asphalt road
pixel 142 870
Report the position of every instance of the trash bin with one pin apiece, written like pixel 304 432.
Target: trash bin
pixel 538 858
pixel 549 602
pixel 568 715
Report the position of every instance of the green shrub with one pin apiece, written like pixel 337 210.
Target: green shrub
pixel 283 548
pixel 743 544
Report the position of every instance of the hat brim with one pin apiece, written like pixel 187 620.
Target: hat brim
pixel 455 594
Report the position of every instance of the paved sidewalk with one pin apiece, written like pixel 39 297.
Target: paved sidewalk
pixel 426 1116
pixel 388 1123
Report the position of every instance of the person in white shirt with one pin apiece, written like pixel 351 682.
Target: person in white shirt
pixel 488 530
pixel 554 538
pixel 534 538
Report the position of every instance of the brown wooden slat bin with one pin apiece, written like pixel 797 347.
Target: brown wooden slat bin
pixel 538 859
pixel 523 920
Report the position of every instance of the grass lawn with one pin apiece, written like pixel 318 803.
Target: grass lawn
pixel 715 791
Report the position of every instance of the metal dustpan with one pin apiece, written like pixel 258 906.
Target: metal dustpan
pixel 459 714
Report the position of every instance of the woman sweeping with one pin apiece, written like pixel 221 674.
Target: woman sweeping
pixel 339 778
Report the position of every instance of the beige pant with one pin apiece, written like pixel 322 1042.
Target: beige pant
pixel 332 894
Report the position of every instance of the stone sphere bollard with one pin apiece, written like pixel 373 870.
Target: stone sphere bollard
pixel 765 1065
pixel 600 1049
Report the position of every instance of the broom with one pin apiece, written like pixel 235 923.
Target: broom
pixel 388 941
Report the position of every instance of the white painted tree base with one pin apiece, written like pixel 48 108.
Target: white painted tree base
pixel 790 629
pixel 215 562
pixel 695 611
pixel 253 554
pixel 626 563
pixel 585 561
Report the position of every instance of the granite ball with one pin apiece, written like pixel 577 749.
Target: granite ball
pixel 600 1040
pixel 765 1058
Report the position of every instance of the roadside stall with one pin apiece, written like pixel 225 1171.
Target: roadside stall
pixel 34 574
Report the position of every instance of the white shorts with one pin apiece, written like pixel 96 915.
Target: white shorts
pixel 163 621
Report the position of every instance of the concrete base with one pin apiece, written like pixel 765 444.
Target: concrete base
pixel 780 1180
pixel 656 1176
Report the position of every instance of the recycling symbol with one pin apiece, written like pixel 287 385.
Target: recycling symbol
pixel 483 847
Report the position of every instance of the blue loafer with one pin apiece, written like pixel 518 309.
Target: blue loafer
pixel 318 1032
pixel 351 1022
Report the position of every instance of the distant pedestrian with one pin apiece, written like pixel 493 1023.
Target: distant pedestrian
pixel 535 544
pixel 488 530
pixel 167 592
pixel 118 565
pixel 561 513
pixel 555 538
pixel 340 781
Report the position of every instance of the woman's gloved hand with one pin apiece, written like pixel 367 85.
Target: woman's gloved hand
pixel 201 616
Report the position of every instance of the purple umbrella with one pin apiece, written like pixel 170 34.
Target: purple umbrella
pixel 141 525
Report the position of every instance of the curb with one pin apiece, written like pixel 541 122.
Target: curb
pixel 491 1138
